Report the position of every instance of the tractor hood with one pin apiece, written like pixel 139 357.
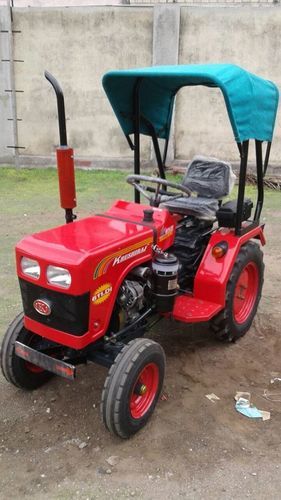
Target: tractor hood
pixel 88 246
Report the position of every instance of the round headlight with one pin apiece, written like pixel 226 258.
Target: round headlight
pixel 30 267
pixel 58 276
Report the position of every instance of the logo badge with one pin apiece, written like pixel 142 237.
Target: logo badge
pixel 42 307
pixel 102 293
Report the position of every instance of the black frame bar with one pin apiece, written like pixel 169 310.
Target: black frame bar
pixel 156 146
pixel 266 160
pixel 136 145
pixel 137 134
pixel 261 167
pixel 243 148
pixel 60 104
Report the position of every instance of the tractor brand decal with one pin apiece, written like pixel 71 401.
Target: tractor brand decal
pixel 121 256
pixel 102 293
pixel 168 231
pixel 42 307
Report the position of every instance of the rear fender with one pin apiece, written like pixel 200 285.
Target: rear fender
pixel 212 275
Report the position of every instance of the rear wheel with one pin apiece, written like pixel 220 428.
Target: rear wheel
pixel 132 387
pixel 16 370
pixel 243 294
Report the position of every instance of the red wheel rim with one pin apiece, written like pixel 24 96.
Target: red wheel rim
pixel 144 391
pixel 245 293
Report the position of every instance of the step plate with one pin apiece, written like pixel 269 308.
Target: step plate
pixel 191 310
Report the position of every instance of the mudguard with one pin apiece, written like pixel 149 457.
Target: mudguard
pixel 212 275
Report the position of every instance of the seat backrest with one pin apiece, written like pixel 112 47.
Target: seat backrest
pixel 209 177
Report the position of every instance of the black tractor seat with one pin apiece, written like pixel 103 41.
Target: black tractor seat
pixel 211 180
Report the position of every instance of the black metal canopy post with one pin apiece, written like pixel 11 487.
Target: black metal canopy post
pixel 259 165
pixel 158 154
pixel 136 146
pixel 244 147
pixel 266 160
pixel 165 151
pixel 156 146
pixel 136 107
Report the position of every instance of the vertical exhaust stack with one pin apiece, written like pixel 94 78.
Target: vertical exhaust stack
pixel 65 161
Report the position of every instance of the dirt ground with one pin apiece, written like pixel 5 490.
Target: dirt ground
pixel 54 446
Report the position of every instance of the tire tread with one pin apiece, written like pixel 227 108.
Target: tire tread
pixel 117 376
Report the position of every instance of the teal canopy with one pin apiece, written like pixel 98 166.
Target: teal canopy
pixel 251 101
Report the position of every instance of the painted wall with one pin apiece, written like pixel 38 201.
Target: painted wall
pixel 249 37
pixel 79 44
pixel 6 125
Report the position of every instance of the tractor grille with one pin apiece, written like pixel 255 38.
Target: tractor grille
pixel 69 313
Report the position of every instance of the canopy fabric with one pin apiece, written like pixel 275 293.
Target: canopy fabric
pixel 251 101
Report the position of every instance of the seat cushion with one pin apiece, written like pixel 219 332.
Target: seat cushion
pixel 209 177
pixel 199 207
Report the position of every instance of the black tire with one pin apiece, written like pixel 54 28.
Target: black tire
pixel 16 370
pixel 125 408
pixel 234 321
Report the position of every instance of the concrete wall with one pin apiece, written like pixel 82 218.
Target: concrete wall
pixel 79 44
pixel 6 124
pixel 249 37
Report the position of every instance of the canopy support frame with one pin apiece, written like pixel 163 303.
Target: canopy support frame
pixel 136 108
pixel 243 148
pixel 260 174
pixel 160 162
pixel 136 145
pixel 261 167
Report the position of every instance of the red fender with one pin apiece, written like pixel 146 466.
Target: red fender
pixel 212 275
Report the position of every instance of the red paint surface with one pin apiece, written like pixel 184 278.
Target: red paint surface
pixel 88 249
pixel 213 274
pixel 66 175
pixel 245 293
pixel 148 378
pixel 189 309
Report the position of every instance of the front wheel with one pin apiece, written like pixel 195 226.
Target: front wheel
pixel 16 370
pixel 243 294
pixel 132 387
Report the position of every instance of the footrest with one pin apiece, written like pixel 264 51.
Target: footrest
pixel 191 310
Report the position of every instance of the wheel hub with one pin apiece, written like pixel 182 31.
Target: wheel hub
pixel 144 391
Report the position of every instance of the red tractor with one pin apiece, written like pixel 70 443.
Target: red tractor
pixel 91 288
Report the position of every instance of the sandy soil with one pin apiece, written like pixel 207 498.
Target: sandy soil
pixel 54 446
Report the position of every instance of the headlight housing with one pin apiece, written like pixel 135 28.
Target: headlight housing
pixel 58 276
pixel 30 267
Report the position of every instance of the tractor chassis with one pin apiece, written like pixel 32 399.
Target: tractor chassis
pixel 62 361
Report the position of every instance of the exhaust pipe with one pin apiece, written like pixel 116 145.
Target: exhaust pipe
pixel 65 160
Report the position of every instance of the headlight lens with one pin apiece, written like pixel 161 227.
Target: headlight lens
pixel 30 267
pixel 58 276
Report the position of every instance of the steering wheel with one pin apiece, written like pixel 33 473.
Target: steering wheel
pixel 159 195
